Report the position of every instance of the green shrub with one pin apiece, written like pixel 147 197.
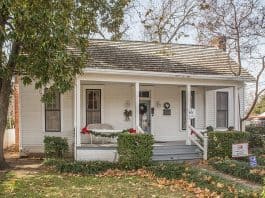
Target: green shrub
pixel 52 161
pixel 86 168
pixel 55 147
pixel 256 140
pixel 263 192
pixel 202 179
pixel 256 129
pixel 257 136
pixel 260 160
pixel 239 169
pixel 135 150
pixel 168 170
pixel 220 143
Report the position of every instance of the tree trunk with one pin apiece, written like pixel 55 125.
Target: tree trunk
pixel 5 91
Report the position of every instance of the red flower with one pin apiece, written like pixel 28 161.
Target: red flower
pixel 132 130
pixel 85 130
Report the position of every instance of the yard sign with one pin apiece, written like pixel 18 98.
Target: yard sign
pixel 240 150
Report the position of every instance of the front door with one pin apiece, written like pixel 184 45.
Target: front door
pixel 145 115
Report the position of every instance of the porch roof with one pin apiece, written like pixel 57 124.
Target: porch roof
pixel 168 58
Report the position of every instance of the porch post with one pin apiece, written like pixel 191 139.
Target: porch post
pixel 77 113
pixel 236 109
pixel 188 120
pixel 75 131
pixel 136 120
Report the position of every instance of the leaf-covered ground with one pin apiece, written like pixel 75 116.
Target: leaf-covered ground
pixel 27 177
pixel 49 184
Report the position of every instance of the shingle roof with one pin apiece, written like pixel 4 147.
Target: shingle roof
pixel 155 57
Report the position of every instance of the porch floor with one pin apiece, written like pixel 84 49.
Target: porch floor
pixel 156 144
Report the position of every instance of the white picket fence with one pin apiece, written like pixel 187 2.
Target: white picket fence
pixel 9 138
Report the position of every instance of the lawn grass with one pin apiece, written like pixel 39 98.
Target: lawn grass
pixel 50 184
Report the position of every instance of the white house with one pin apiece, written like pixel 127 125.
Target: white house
pixel 174 92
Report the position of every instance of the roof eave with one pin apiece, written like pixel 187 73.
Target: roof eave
pixel 164 74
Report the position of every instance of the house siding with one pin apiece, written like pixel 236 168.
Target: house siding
pixel 32 126
pixel 211 107
pixel 116 97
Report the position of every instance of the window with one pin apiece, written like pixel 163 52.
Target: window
pixel 144 94
pixel 183 108
pixel 53 115
pixel 222 109
pixel 93 106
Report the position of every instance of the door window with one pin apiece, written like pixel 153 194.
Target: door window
pixel 93 106
pixel 145 115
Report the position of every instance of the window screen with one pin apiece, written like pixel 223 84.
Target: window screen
pixel 222 109
pixel 53 114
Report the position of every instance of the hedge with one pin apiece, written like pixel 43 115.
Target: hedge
pixel 256 129
pixel 220 143
pixel 55 147
pixel 135 150
pixel 257 136
pixel 202 178
pixel 86 168
pixel 260 160
pixel 239 169
pixel 263 192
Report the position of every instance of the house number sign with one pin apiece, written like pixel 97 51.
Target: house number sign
pixel 167 110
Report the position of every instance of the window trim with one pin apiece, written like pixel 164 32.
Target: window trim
pixel 100 102
pixel 227 110
pixel 60 116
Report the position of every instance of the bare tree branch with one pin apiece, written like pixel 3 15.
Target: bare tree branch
pixel 257 91
pixel 165 22
pixel 242 23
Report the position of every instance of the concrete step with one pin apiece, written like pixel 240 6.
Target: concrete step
pixel 176 151
pixel 176 157
pixel 166 147
pixel 173 152
pixel 179 150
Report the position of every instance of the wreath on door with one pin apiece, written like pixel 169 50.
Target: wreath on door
pixel 143 108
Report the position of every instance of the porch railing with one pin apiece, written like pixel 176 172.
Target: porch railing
pixel 200 140
pixel 139 129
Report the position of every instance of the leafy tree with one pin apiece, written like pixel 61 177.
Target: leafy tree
pixel 37 39
pixel 260 106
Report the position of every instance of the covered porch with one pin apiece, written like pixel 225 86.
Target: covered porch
pixel 160 106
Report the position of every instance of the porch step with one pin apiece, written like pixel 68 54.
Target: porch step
pixel 182 157
pixel 176 153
